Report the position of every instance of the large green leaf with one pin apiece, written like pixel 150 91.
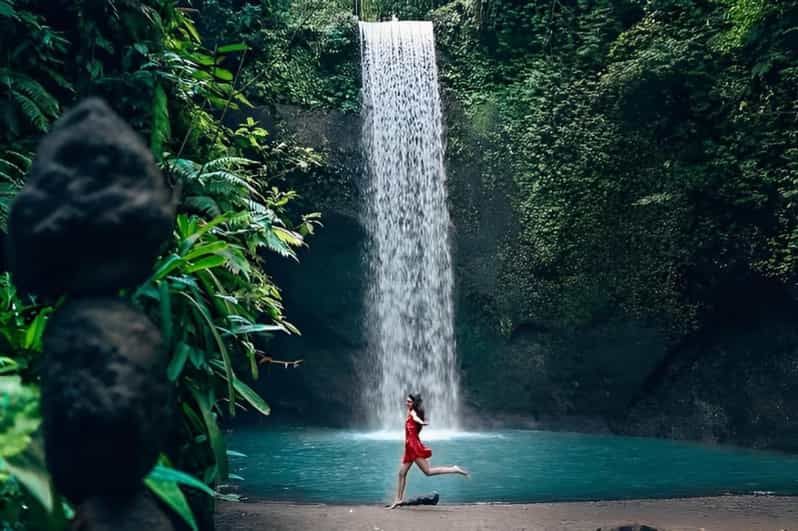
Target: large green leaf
pixel 255 329
pixel 232 48
pixel 7 10
pixel 178 361
pixel 208 248
pixel 205 314
pixel 35 331
pixel 164 473
pixel 28 467
pixel 222 73
pixel 192 238
pixel 209 262
pixel 173 497
pixel 165 298
pixel 165 267
pixel 246 392
pixel 8 365
pixel 161 129
pixel 215 438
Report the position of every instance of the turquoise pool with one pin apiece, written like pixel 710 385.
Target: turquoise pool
pixel 317 465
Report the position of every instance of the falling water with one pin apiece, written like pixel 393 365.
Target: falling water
pixel 410 296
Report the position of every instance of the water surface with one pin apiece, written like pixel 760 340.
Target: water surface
pixel 318 465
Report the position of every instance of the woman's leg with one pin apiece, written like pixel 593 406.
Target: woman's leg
pixel 400 489
pixel 423 464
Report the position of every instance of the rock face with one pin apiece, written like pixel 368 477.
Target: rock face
pixel 731 384
pixel 559 376
pixel 94 213
pixel 105 398
pixel 325 292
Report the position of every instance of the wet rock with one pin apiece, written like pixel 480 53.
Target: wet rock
pixel 105 397
pixel 94 213
pixel 135 512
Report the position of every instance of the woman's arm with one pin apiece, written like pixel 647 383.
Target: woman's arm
pixel 417 418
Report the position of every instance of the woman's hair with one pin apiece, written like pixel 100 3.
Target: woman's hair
pixel 418 405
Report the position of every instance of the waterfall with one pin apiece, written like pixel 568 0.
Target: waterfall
pixel 411 280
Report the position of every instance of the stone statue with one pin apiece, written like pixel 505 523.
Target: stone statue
pixel 92 218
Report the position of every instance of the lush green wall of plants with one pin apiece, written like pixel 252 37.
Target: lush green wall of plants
pixel 210 292
pixel 648 149
pixel 302 52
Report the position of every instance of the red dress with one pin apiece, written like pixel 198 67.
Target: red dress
pixel 414 448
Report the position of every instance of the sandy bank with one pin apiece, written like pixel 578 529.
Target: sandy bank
pixel 728 513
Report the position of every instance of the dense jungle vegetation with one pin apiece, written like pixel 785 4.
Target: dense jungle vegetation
pixel 648 150
pixel 652 156
pixel 211 293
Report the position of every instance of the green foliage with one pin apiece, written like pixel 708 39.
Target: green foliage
pixel 646 148
pixel 19 416
pixel 22 326
pixel 13 167
pixel 165 483
pixel 403 9
pixel 744 16
pixel 210 293
pixel 32 51
pixel 304 52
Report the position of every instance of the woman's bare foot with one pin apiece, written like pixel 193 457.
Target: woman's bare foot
pixel 395 504
pixel 462 471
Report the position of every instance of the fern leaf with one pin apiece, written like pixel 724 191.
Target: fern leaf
pixel 202 203
pixel 59 79
pixel 231 178
pixel 31 111
pixel 7 10
pixel 240 220
pixel 183 169
pixel 261 209
pixel 226 163
pixel 277 245
pixel 45 101
pixel 223 189
pixel 290 237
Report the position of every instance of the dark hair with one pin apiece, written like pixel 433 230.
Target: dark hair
pixel 418 405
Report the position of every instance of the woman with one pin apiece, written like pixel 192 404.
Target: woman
pixel 415 451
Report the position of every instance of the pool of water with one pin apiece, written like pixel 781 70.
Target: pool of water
pixel 316 465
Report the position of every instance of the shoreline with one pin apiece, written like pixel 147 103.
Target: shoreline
pixel 721 513
pixel 245 500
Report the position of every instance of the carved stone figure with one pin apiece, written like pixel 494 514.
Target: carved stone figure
pixel 94 213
